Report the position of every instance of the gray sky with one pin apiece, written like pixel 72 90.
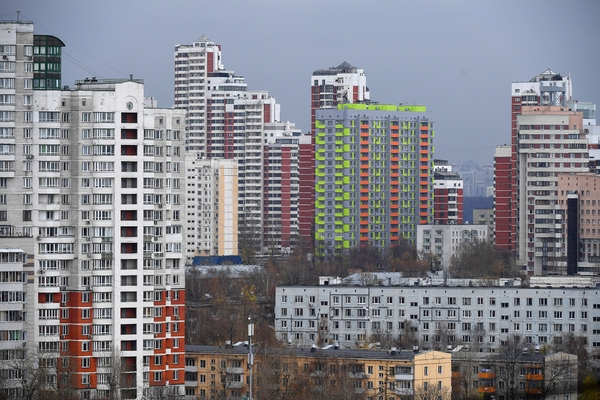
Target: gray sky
pixel 457 57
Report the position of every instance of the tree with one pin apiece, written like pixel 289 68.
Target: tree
pixel 280 378
pixel 575 344
pixel 481 259
pixel 590 390
pixel 559 375
pixel 427 391
pixel 506 363
pixel 32 378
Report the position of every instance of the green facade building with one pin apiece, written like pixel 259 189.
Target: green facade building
pixel 374 175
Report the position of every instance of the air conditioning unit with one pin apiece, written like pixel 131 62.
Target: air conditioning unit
pixel 160 206
pixel 41 271
pixel 87 222
pixel 155 222
pixel 29 156
pixel 89 336
pixel 87 238
pixel 89 255
pixel 39 238
pixel 88 288
pixel 63 289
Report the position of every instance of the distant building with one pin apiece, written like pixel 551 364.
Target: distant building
pixel 372 187
pixel 580 218
pixel 215 221
pixel 546 89
pixel 485 216
pixel 444 241
pixel 551 142
pixel 448 194
pixel 344 84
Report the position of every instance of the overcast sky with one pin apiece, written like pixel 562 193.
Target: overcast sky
pixel 456 57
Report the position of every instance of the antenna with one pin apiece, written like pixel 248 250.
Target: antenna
pixel 18 15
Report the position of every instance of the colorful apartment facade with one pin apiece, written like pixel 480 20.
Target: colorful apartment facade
pixel 374 175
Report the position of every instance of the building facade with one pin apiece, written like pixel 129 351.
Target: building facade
pixel 551 141
pixel 447 194
pixel 545 89
pixel 483 317
pixel 344 84
pixel 14 317
pixel 211 207
pixel 520 375
pixel 374 175
pixel 220 372
pixel 585 188
pixel 93 182
pixel 226 120
pixel 445 241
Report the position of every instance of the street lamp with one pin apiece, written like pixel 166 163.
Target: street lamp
pixel 250 355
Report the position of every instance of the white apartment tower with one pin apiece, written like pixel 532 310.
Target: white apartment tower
pixel 550 141
pixel 94 182
pixel 228 121
pixel 212 207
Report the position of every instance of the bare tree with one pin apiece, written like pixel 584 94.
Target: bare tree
pixel 506 362
pixel 32 377
pixel 429 391
pixel 481 259
pixel 575 344
pixel 279 377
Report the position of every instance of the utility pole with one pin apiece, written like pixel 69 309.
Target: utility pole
pixel 250 355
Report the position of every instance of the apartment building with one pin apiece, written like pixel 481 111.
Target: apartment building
pixel 580 230
pixel 13 316
pixel 93 182
pixel 546 89
pixel 551 141
pixel 226 120
pixel 440 313
pixel 344 84
pixel 519 375
pixel 445 241
pixel 447 194
pixel 218 372
pixel 374 175
pixel 211 207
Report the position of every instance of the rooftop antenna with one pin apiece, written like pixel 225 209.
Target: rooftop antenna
pixel 18 15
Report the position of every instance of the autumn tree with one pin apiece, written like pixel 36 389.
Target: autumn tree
pixel 590 389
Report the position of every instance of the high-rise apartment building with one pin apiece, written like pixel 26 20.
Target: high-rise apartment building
pixel 211 207
pixel 374 175
pixel 550 141
pixel 93 182
pixel 228 121
pixel 545 89
pixel 306 193
pixel 336 85
pixel 447 194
